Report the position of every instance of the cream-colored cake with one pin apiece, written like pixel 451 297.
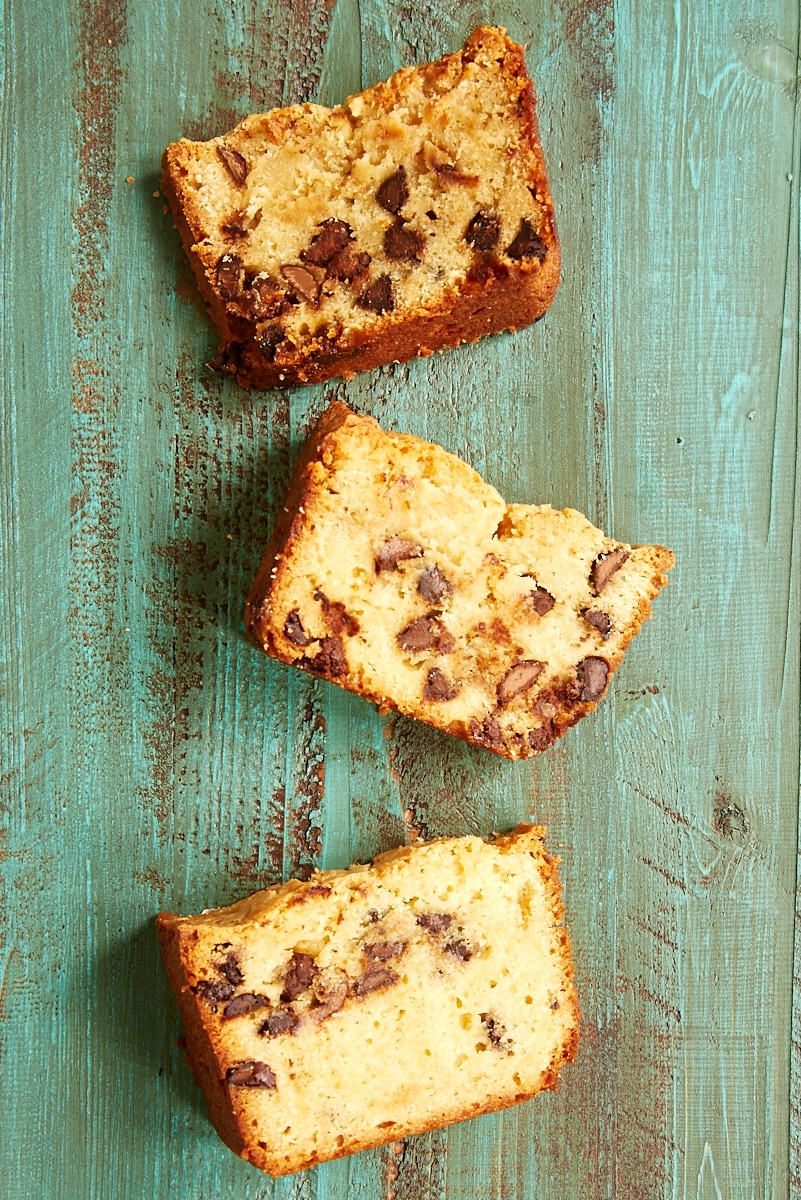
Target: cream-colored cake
pixel 364 1005
pixel 415 216
pixel 395 571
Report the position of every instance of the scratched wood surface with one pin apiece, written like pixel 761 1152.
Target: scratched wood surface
pixel 152 759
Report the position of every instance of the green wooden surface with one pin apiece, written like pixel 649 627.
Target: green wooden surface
pixel 151 759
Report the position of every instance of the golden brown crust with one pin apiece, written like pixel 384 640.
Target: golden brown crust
pixel 491 293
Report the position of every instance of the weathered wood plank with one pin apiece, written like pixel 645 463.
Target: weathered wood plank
pixel 152 758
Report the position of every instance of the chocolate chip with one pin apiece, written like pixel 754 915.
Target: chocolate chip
pixel 395 550
pixel 374 979
pixel 394 191
pixel 384 950
pixel 519 678
pixel 245 1002
pixel 483 231
pixel 302 282
pixel 435 922
pixel 333 236
pixel 527 243
pixel 592 674
pixel 234 228
pixel 427 633
pixel 215 991
pixel 402 244
pixel 230 969
pixel 229 276
pixel 433 586
pixel 250 1074
pixel 449 173
pixel 268 339
pixel 337 617
pixel 605 567
pixel 495 1029
pixel 283 1020
pixel 294 631
pixel 540 739
pixel 237 165
pixel 300 974
pixel 378 297
pixel 331 660
pixel 262 298
pixel 598 620
pixel 438 687
pixel 459 949
pixel 488 733
pixel 541 601
pixel 331 1001
pixel 348 264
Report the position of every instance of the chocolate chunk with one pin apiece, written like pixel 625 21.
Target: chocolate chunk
pixel 488 733
pixel 541 601
pixel 302 282
pixel 229 276
pixel 598 620
pixel 450 173
pixel 337 617
pixel 427 633
pixel 495 1029
pixel 459 949
pixel 384 950
pixel 393 551
pixel 331 660
pixel 250 1074
pixel 268 339
pixel 402 244
pixel 527 243
pixel 348 264
pixel 302 971
pixel 483 231
pixel 262 298
pixel 234 228
pixel 394 191
pixel 540 739
pixel 605 567
pixel 592 674
pixel 519 678
pixel 378 296
pixel 438 687
pixel 230 969
pixel 237 165
pixel 245 1002
pixel 374 979
pixel 433 586
pixel 283 1020
pixel 215 991
pixel 331 1001
pixel 435 922
pixel 333 236
pixel 294 631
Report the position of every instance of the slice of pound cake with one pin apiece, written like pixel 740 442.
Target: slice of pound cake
pixel 395 571
pixel 364 1005
pixel 415 216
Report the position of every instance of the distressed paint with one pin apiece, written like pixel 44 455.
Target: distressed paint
pixel 151 758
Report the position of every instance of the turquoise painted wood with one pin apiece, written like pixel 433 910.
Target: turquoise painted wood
pixel 152 759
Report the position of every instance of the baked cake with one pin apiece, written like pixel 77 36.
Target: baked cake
pixel 415 216
pixel 395 571
pixel 334 1015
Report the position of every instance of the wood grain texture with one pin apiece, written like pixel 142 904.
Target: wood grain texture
pixel 151 758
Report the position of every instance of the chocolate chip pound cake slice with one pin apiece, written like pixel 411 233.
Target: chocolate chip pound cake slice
pixel 364 1005
pixel 415 216
pixel 395 571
